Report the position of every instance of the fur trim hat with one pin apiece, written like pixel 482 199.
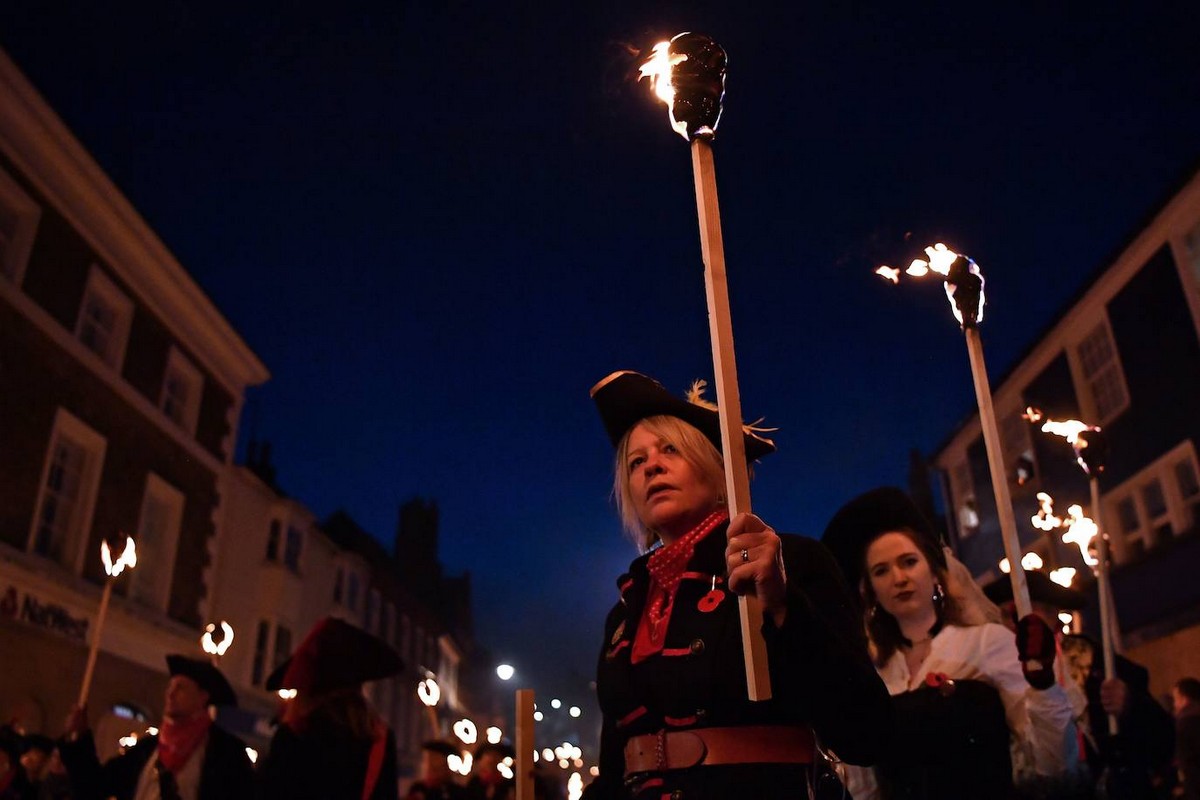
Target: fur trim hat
pixel 625 398
pixel 206 676
pixel 863 519
pixel 335 654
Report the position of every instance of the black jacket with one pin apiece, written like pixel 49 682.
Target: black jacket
pixel 226 774
pixel 821 675
pixel 322 763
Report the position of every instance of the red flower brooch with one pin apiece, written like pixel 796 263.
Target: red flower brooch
pixel 940 681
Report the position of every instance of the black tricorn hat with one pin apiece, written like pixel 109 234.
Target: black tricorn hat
pixel 38 741
pixel 1041 590
pixel 501 749
pixel 441 746
pixel 863 519
pixel 206 676
pixel 335 654
pixel 625 398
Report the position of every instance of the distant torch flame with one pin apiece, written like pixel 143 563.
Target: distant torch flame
pixel 217 648
pixel 128 558
pixel 963 280
pixel 1063 576
pixel 1079 435
pixel 1029 561
pixel 429 692
pixel 1080 531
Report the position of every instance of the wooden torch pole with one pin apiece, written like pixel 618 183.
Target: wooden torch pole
pixel 991 441
pixel 1104 595
pixel 86 686
pixel 524 743
pixel 737 479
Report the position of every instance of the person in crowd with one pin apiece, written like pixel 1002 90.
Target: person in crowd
pixel 330 742
pixel 487 782
pixel 961 686
pixel 1185 695
pixel 13 783
pixel 44 769
pixel 1136 762
pixel 190 759
pixel 671 681
pixel 437 779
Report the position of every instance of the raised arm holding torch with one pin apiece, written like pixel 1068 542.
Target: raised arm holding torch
pixel 128 558
pixel 688 74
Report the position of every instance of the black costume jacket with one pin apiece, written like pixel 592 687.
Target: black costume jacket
pixel 226 773
pixel 821 676
pixel 323 762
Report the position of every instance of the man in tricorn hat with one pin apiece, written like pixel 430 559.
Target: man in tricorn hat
pixel 189 759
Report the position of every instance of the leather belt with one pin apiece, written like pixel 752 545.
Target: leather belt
pixel 751 744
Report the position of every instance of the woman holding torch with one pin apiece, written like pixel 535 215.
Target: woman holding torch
pixel 671 678
pixel 962 688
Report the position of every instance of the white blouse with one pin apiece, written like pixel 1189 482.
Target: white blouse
pixel 1040 720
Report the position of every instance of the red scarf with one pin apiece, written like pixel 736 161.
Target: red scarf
pixel 177 740
pixel 666 568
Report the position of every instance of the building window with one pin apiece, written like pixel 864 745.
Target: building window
pixel 104 317
pixel 18 227
pixel 283 645
pixel 1017 448
pixel 291 550
pixel 70 477
pixel 261 642
pixel 273 537
pixel 1102 374
pixel 158 535
pixel 339 585
pixel 1156 504
pixel 352 591
pixel 963 491
pixel 182 387
pixel 1191 241
pixel 372 610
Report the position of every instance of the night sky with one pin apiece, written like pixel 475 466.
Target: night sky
pixel 439 223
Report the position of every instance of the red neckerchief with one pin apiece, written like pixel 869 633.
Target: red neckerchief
pixel 178 740
pixel 666 569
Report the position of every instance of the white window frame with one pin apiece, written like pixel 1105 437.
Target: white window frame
pixel 179 364
pixel 1083 382
pixel 962 489
pixel 158 490
pixel 15 257
pixel 1180 512
pixel 101 286
pixel 68 425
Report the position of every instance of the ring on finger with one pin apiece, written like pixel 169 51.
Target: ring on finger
pixel 745 555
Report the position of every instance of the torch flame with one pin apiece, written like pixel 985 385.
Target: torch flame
pixel 217 648
pixel 1080 531
pixel 128 558
pixel 1045 520
pixel 891 273
pixel 939 259
pixel 1068 429
pixel 1063 576
pixel 429 692
pixel 658 69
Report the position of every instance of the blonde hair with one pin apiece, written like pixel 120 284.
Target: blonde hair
pixel 694 447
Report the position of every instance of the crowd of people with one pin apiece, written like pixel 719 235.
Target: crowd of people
pixel 893 675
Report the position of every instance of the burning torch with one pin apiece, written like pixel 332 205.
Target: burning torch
pixel 688 74
pixel 430 693
pixel 217 648
pixel 963 282
pixel 128 558
pixel 1091 452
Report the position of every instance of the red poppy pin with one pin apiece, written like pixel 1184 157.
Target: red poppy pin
pixel 940 681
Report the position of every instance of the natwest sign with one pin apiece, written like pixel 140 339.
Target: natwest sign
pixel 25 606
